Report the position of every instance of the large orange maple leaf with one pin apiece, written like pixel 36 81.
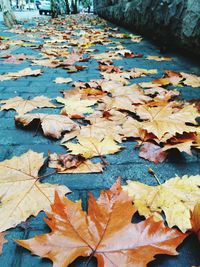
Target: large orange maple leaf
pixel 105 233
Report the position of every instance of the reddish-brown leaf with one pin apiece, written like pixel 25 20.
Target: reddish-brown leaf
pixel 109 68
pixel 69 160
pixel 105 233
pixel 153 153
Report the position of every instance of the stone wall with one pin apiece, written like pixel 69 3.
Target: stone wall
pixel 174 22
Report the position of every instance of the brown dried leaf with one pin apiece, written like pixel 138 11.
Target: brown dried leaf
pixel 52 125
pixel 152 153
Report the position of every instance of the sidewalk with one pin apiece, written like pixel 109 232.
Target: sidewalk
pixel 24 15
pixel 15 141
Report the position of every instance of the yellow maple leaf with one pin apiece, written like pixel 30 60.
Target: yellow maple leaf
pixel 182 147
pixel 191 79
pixel 176 198
pixel 90 147
pixel 25 105
pixel 99 130
pixel 21 192
pixel 118 102
pixel 132 128
pixel 75 106
pixel 162 120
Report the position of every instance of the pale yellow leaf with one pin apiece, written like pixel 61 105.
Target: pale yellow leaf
pixel 90 147
pixel 76 107
pixel 21 192
pixel 176 198
pixel 25 105
pixel 52 125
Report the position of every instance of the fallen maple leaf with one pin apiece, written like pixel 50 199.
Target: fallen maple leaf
pixel 52 125
pixel 75 68
pixel 19 74
pixel 128 53
pixel 90 147
pixel 191 79
pixel 159 58
pixel 92 84
pixel 23 106
pixel 162 120
pixel 107 56
pixel 4 46
pixel 86 167
pixel 184 146
pixel 105 233
pixel 136 39
pixel 99 130
pixel 2 241
pixel 161 96
pixel 123 76
pixel 131 128
pixel 176 197
pixel 196 102
pixel 109 69
pixel 69 160
pixel 62 80
pixel 91 93
pixel 69 163
pixel 112 115
pixel 75 107
pixel 195 220
pixel 51 62
pixel 16 59
pixel 152 152
pixel 22 194
pixel 132 93
pixel 119 103
pixel 83 93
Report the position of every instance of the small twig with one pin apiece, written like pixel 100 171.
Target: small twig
pixel 154 175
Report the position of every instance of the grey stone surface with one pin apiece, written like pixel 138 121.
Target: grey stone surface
pixel 170 22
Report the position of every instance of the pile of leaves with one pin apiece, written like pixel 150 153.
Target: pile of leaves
pixel 94 119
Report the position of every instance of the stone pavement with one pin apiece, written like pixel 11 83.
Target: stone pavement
pixel 127 164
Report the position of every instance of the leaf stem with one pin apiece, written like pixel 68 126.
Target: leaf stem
pixel 105 163
pixel 154 175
